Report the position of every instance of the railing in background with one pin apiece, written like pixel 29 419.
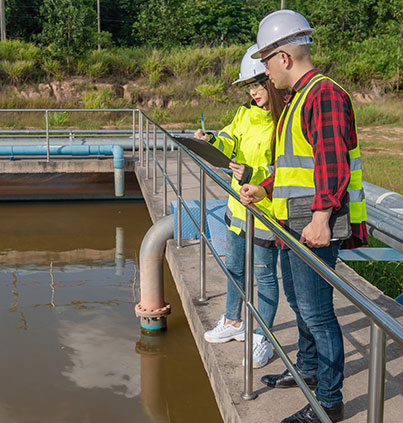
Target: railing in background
pixel 381 323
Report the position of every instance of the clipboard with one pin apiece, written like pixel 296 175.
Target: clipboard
pixel 300 215
pixel 205 150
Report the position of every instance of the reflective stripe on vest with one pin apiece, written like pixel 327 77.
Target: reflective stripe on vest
pixel 240 224
pixel 295 163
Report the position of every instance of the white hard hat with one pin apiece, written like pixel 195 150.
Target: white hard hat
pixel 250 68
pixel 282 27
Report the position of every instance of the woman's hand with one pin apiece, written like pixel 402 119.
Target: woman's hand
pixel 237 169
pixel 251 194
pixel 199 134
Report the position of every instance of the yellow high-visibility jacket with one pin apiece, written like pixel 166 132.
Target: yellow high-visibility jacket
pixel 295 163
pixel 247 139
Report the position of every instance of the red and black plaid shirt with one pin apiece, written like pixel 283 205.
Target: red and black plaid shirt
pixel 328 123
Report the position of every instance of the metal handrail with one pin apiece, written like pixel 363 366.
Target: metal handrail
pixel 381 322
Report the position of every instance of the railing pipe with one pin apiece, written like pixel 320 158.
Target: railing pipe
pixel 164 186
pixel 248 393
pixel 155 159
pixel 141 139
pixel 203 296
pixel 376 380
pixel 47 135
pixel 147 149
pixel 179 197
pixel 134 133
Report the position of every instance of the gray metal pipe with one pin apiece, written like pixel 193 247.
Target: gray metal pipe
pixel 383 197
pixel 386 228
pixel 152 308
pixel 376 379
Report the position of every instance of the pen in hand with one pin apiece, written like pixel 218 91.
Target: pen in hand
pixel 202 124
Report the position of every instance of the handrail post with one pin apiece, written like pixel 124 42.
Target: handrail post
pixel 164 185
pixel 134 132
pixel 376 378
pixel 47 135
pixel 179 202
pixel 141 139
pixel 147 149
pixel 155 160
pixel 248 393
pixel 202 234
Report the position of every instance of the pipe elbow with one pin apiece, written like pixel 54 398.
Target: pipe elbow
pixel 118 157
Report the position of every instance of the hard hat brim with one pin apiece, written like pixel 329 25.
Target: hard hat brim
pixel 257 54
pixel 248 78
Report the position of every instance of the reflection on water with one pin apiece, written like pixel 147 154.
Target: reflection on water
pixel 71 348
pixel 101 354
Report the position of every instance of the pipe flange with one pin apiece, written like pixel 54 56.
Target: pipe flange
pixel 152 313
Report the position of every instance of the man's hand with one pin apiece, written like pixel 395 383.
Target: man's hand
pixel 251 194
pixel 237 169
pixel 317 233
pixel 199 134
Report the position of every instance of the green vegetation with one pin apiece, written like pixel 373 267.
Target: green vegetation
pixel 385 275
pixel 178 58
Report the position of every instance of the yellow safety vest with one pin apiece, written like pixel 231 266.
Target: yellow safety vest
pixel 295 163
pixel 248 139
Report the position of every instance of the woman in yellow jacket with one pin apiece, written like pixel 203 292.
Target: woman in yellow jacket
pixel 249 140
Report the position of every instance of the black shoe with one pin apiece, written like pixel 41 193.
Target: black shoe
pixel 307 415
pixel 286 380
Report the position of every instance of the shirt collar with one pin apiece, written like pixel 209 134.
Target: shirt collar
pixel 301 83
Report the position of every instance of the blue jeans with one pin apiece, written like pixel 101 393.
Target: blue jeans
pixel 265 269
pixel 320 343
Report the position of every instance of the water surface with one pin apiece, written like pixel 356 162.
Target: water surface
pixel 71 348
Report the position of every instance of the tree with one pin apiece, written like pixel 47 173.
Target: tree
pixel 200 22
pixel 23 18
pixel 69 27
pixel 117 17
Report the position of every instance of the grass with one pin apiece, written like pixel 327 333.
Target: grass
pixel 386 276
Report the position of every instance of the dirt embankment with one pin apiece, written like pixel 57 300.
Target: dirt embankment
pixel 81 91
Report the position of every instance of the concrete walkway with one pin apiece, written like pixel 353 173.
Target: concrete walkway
pixel 223 363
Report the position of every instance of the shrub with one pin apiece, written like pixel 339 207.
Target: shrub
pixel 18 50
pixel 93 99
pixel 212 91
pixel 18 70
pixel 58 118
pixel 154 67
pixel 53 67
pixel 230 73
pixel 97 70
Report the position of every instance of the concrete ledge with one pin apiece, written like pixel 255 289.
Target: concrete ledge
pixel 65 164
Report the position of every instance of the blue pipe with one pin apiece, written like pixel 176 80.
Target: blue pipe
pixel 74 150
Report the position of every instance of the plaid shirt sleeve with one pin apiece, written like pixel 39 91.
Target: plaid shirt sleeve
pixel 267 184
pixel 328 125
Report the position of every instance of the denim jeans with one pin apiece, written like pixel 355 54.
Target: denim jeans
pixel 320 343
pixel 265 269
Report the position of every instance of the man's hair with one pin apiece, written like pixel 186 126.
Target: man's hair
pixel 299 52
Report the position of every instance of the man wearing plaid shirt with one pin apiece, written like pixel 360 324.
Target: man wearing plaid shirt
pixel 317 154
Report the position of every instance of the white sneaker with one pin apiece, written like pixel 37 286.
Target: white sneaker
pixel 224 333
pixel 262 351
